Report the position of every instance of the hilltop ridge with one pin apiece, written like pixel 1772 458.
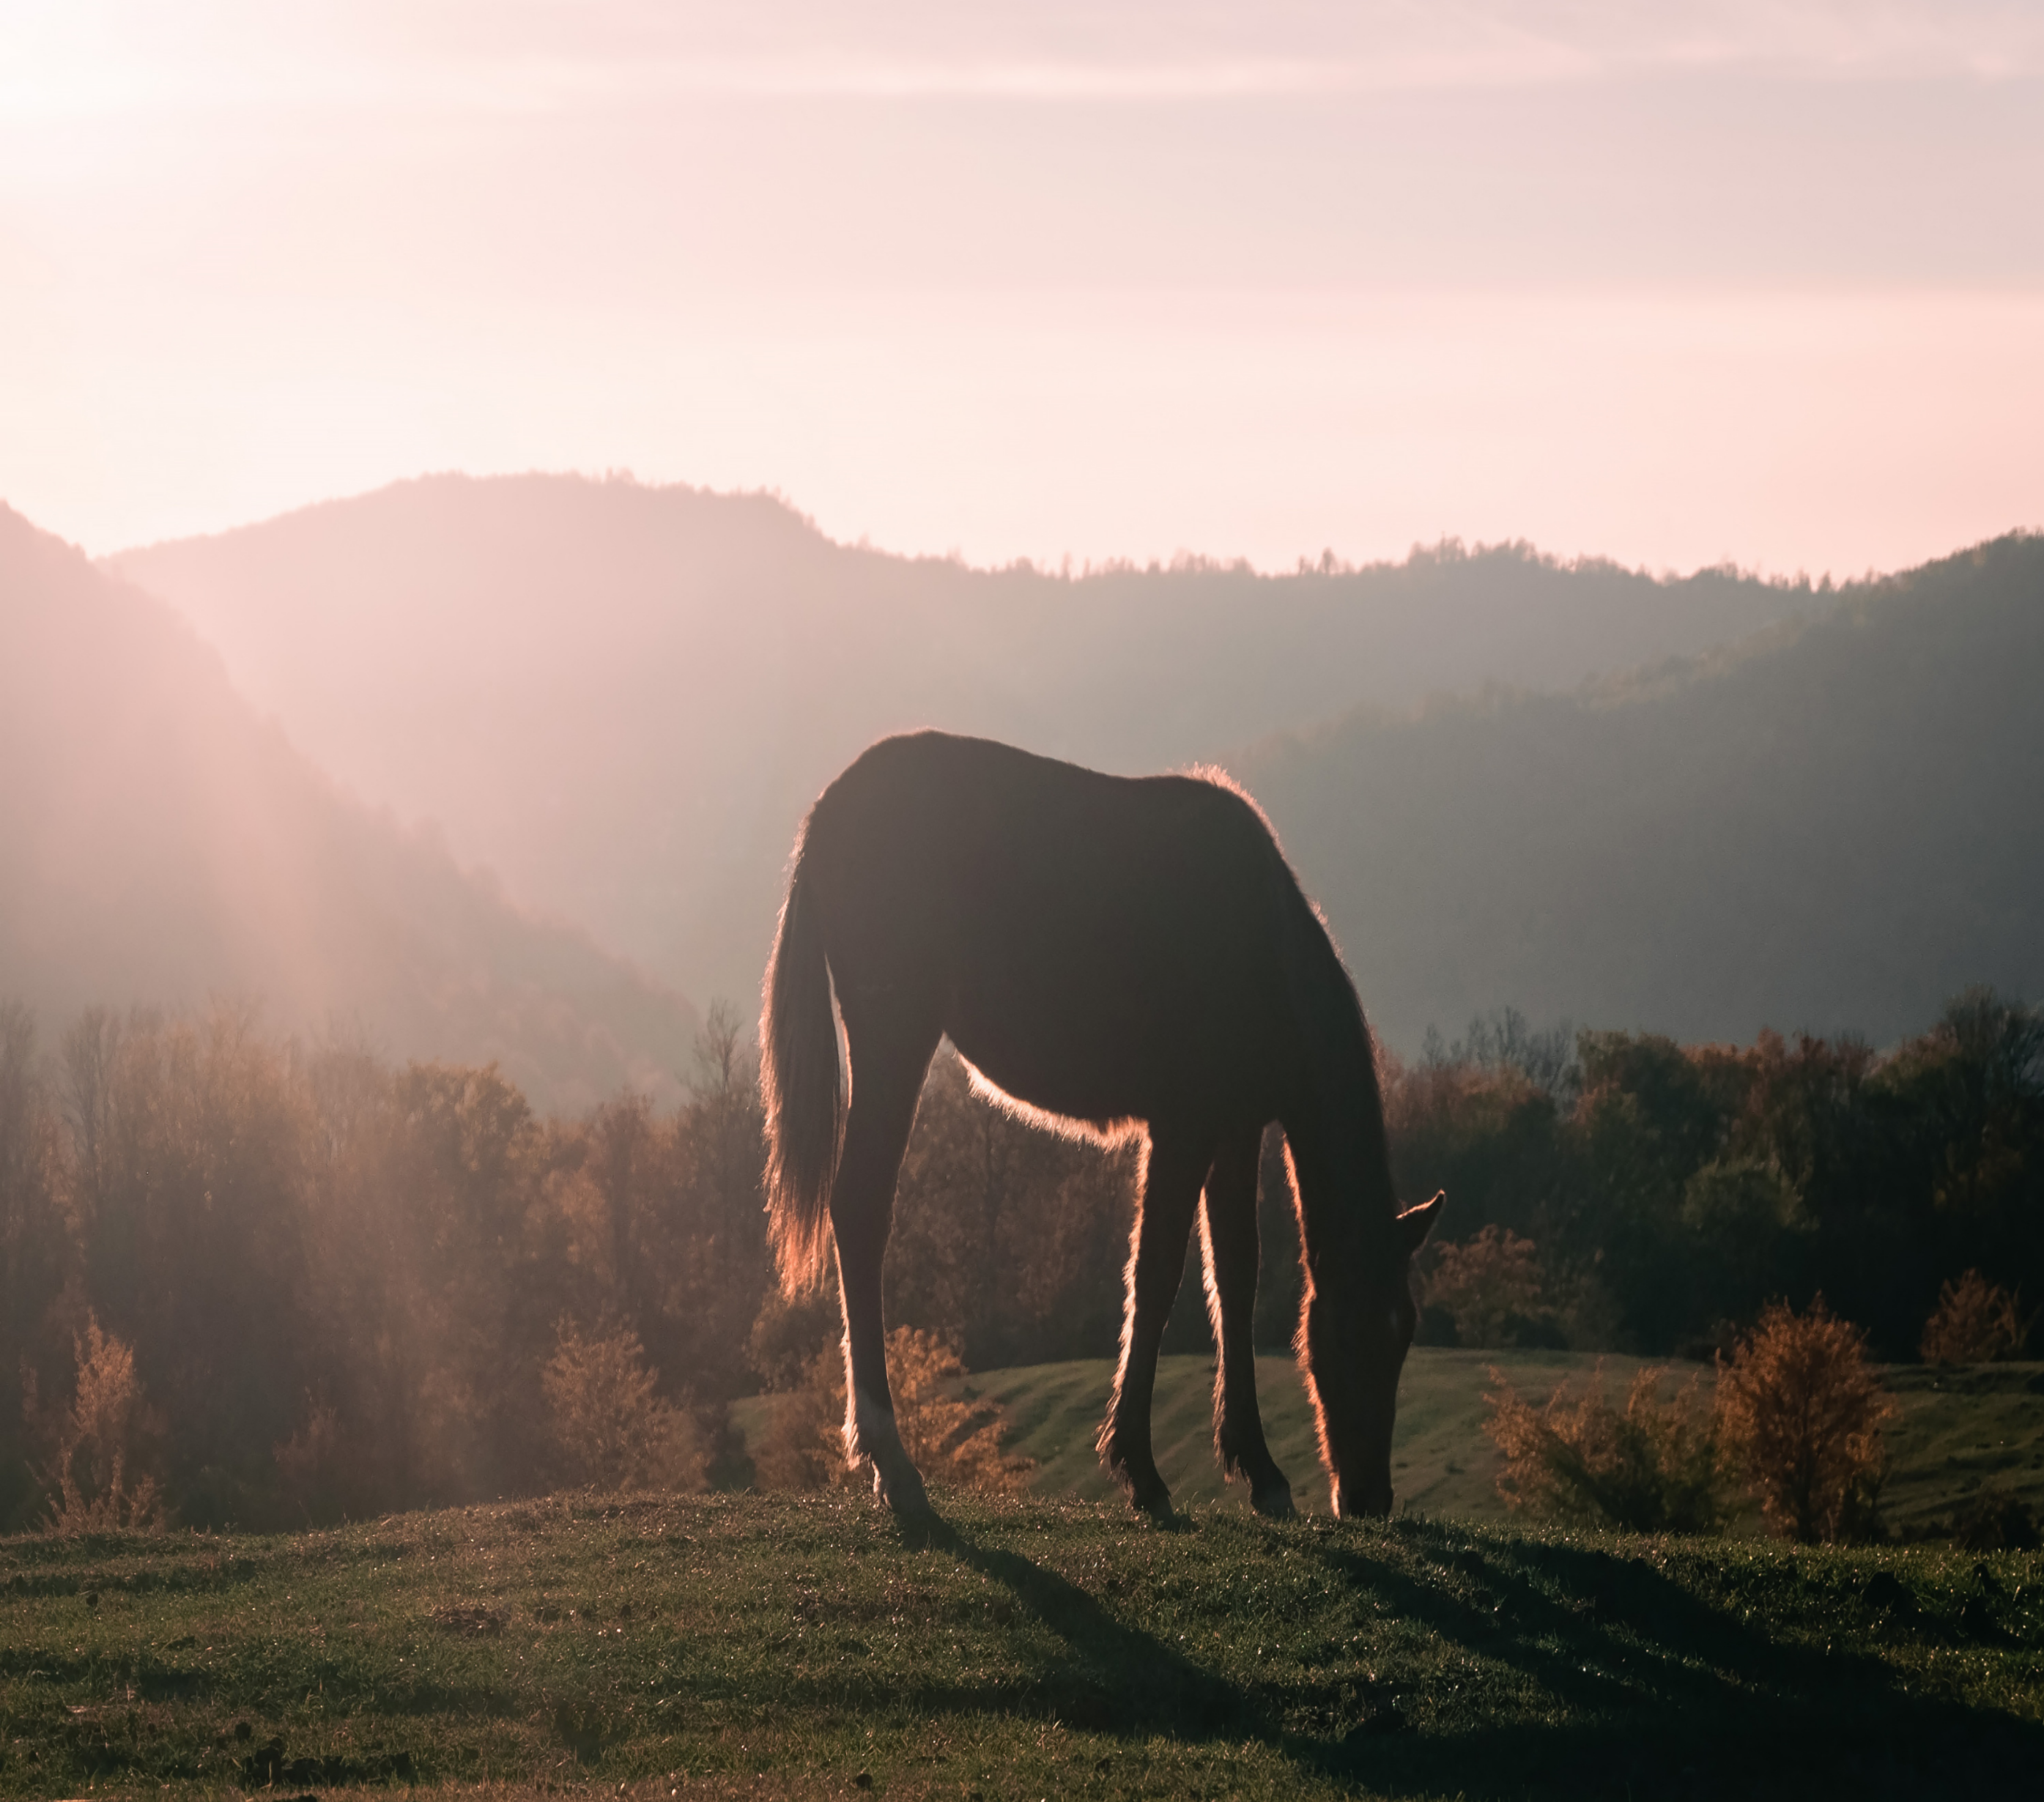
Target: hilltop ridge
pixel 623 697
pixel 1832 827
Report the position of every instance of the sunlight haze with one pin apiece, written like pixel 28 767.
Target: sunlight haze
pixel 1747 283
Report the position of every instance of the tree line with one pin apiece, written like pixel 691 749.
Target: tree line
pixel 275 1282
pixel 1657 1196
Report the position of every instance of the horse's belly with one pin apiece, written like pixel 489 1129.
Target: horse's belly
pixel 1097 1063
pixel 1073 1088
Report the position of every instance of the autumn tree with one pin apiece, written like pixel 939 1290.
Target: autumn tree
pixel 1975 1322
pixel 610 1429
pixel 1491 1284
pixel 94 1480
pixel 37 1251
pixel 188 1143
pixel 1008 1239
pixel 1742 1219
pixel 1801 1410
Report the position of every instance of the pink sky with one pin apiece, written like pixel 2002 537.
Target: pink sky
pixel 1762 283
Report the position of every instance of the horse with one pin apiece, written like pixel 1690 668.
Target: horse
pixel 1112 956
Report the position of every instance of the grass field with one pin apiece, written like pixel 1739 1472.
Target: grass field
pixel 739 1645
pixel 1053 1644
pixel 1956 1429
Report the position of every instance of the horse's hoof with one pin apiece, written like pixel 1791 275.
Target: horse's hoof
pixel 905 1495
pixel 1156 1504
pixel 1275 1502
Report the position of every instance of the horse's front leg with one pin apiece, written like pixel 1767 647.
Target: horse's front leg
pixel 1228 1238
pixel 1172 1175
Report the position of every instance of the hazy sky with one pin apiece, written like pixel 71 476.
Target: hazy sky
pixel 1763 281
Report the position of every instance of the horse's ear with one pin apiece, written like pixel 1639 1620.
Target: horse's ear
pixel 1416 1222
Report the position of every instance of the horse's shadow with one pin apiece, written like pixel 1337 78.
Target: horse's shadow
pixel 1664 1692
pixel 1113 1678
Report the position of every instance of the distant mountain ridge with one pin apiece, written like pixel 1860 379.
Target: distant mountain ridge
pixel 622 698
pixel 161 844
pixel 1837 826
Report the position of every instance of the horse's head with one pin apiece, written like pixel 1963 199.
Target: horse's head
pixel 1356 1346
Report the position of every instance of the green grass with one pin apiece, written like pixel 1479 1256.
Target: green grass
pixel 1956 1429
pixel 1038 1647
pixel 1055 1644
pixel 1443 1463
pixel 1960 1429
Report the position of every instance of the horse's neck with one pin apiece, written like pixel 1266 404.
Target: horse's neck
pixel 1340 1147
pixel 1337 1126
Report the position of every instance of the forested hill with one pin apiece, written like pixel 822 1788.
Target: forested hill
pixel 1837 828
pixel 161 845
pixel 622 698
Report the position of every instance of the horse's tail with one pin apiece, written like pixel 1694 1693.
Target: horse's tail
pixel 798 1083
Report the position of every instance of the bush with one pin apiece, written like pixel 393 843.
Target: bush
pixel 1800 1409
pixel 1651 1467
pixel 1491 1286
pixel 610 1429
pixel 1975 1322
pixel 954 1439
pixel 803 1447
pixel 88 1481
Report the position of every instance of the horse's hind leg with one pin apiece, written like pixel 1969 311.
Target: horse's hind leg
pixel 1228 1238
pixel 889 1056
pixel 1172 1175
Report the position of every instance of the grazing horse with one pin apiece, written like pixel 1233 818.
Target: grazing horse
pixel 1116 954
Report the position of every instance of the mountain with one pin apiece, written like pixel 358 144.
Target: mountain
pixel 1835 828
pixel 622 698
pixel 160 844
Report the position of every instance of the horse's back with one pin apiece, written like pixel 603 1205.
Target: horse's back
pixel 1096 944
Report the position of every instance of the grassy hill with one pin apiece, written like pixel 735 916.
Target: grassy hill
pixel 730 1646
pixel 161 844
pixel 1955 1428
pixel 622 698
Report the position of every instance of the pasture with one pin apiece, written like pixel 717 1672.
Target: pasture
pixel 1956 1429
pixel 739 1644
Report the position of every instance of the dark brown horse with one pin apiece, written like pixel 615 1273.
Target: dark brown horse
pixel 1115 955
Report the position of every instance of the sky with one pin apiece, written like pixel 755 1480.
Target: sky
pixel 1762 283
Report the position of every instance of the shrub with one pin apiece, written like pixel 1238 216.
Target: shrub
pixel 957 1439
pixel 1801 1410
pixel 1650 1467
pixel 1491 1286
pixel 609 1429
pixel 803 1447
pixel 1975 1322
pixel 88 1481
pixel 954 1439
